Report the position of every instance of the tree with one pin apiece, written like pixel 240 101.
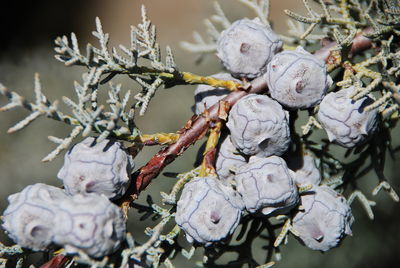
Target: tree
pixel 268 191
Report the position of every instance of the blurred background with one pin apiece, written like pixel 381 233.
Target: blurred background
pixel 27 47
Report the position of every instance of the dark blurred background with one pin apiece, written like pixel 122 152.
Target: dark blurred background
pixel 28 29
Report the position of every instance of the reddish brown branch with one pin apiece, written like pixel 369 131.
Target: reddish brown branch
pixel 194 130
pixel 56 262
pixel 196 127
pixel 360 43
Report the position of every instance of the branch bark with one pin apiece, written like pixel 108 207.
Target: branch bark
pixel 360 43
pixel 56 262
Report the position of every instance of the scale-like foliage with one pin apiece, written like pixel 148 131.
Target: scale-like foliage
pixel 346 28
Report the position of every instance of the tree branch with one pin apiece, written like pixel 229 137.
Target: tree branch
pixel 360 43
pixel 195 129
pixel 198 126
